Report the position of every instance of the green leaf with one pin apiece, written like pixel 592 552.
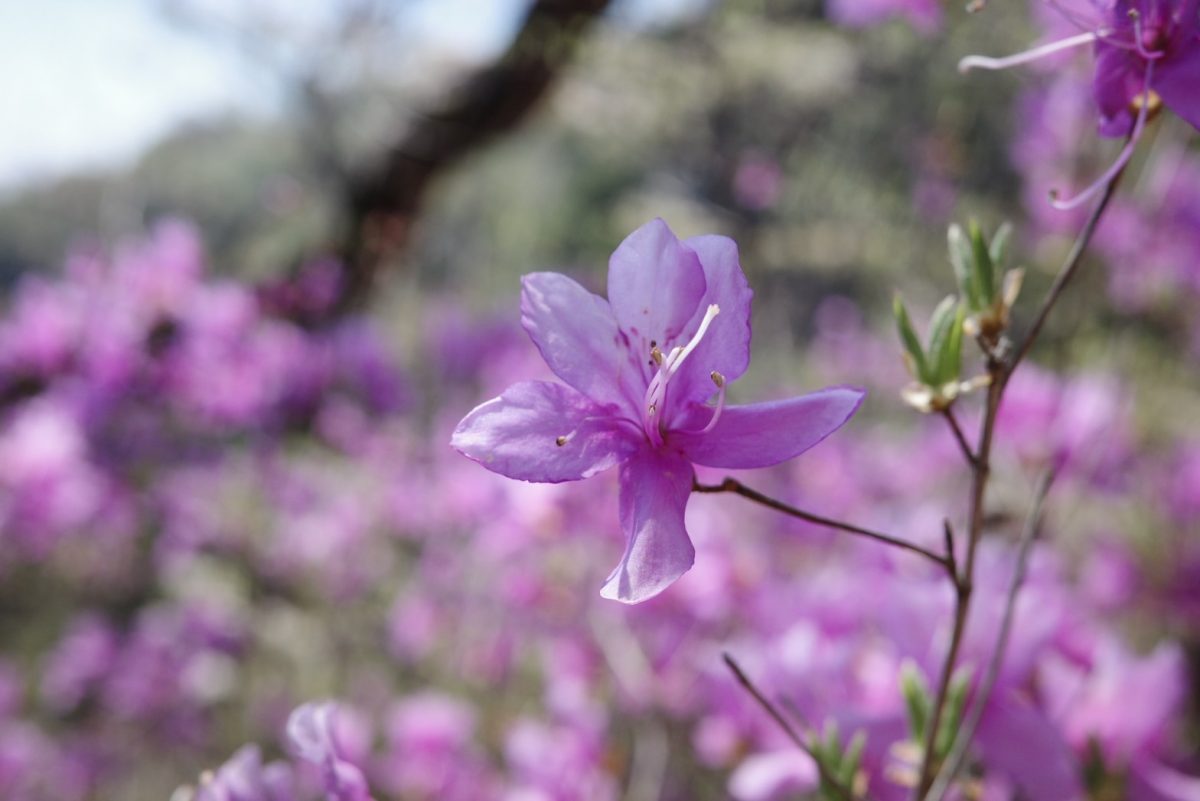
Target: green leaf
pixel 949 356
pixel 852 758
pixel 999 247
pixel 916 699
pixel 908 338
pixel 942 337
pixel 833 740
pixel 962 260
pixel 985 278
pixel 956 700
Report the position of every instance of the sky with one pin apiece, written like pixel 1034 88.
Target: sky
pixel 93 83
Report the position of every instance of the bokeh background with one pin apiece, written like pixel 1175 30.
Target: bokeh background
pixel 259 257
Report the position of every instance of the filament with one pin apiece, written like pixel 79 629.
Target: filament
pixel 656 393
pixel 719 380
pixel 1122 159
pixel 1138 42
pixel 987 63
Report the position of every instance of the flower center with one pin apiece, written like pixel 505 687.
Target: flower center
pixel 668 366
pixel 1149 41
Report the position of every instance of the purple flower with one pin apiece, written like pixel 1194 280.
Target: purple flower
pixel 1147 55
pixel 245 778
pixel 315 736
pixel 1146 52
pixel 762 777
pixel 80 662
pixel 639 368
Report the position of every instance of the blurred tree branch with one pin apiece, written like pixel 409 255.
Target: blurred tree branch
pixel 382 202
pixel 378 201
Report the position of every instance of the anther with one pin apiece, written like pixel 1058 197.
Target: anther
pixel 719 380
pixel 669 365
pixel 561 440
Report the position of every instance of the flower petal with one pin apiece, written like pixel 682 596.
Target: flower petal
pixel 578 337
pixel 778 774
pixel 655 283
pixel 763 434
pixel 1177 82
pixel 725 347
pixel 1017 740
pixel 517 434
pixel 655 486
pixel 1152 781
pixel 1119 78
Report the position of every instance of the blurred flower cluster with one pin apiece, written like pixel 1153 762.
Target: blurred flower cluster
pixel 218 505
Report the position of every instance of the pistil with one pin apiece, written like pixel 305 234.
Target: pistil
pixel 669 365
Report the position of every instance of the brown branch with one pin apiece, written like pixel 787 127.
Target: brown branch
pixel 961 438
pixel 842 790
pixel 381 204
pixel 962 741
pixel 738 488
pixel 951 560
pixel 963 586
pixel 1065 273
pixel 1000 370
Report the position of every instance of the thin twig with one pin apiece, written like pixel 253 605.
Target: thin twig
pixel 963 445
pixel 1000 370
pixel 738 488
pixel 951 560
pixel 1065 273
pixel 962 741
pixel 963 582
pixel 842 790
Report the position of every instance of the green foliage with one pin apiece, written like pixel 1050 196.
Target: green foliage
pixel 914 353
pixel 841 763
pixel 918 703
pixel 935 366
pixel 916 700
pixel 986 289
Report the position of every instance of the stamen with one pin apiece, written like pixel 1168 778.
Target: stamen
pixel 679 355
pixel 1122 159
pixel 1138 40
pixel 657 391
pixel 987 63
pixel 719 380
pixel 674 359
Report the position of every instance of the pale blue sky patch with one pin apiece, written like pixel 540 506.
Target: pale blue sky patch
pixel 93 83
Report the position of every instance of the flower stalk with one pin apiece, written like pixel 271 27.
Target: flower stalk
pixel 1000 369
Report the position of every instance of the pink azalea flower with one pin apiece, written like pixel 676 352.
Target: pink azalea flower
pixel 639 368
pixel 314 734
pixel 245 778
pixel 1147 53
